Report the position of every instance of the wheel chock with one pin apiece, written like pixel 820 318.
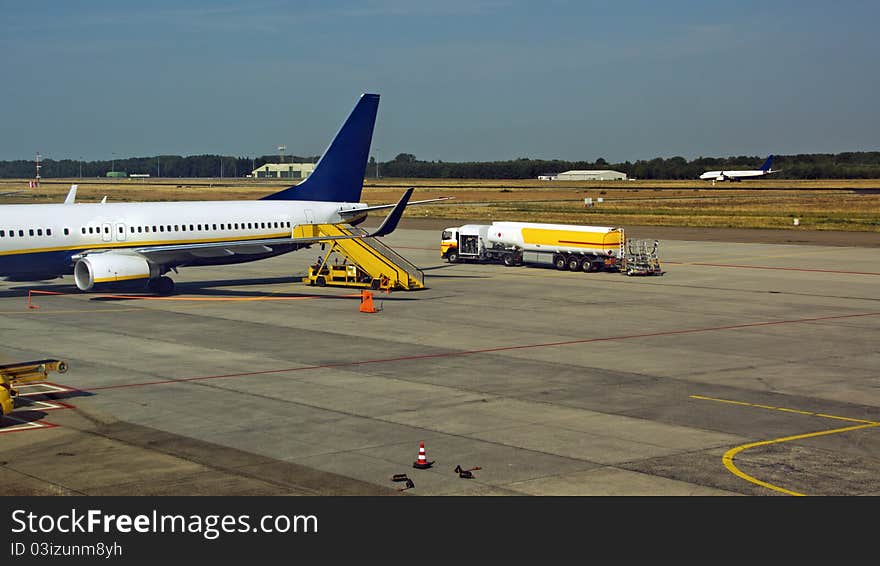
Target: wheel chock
pixel 466 474
pixel 409 485
pixel 399 477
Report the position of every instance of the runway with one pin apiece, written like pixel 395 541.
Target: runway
pixel 746 369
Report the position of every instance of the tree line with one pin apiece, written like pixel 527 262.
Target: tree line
pixel 847 165
pixel 174 166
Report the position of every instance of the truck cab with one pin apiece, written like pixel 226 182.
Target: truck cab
pixel 465 242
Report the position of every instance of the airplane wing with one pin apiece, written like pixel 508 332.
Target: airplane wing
pixel 360 211
pixel 183 253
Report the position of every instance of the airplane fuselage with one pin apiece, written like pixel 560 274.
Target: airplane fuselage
pixel 39 241
pixel 731 175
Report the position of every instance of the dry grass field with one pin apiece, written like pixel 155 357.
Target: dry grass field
pixel 839 205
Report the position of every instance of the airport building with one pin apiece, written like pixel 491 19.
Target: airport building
pixel 283 171
pixel 587 175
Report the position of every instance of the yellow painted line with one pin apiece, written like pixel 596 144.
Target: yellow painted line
pixel 728 457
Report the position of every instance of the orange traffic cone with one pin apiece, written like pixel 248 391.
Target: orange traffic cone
pixel 422 463
pixel 367 301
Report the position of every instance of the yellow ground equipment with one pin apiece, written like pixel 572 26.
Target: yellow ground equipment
pixel 13 375
pixel 366 262
pixel 344 275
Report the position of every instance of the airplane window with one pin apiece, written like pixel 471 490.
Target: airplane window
pixel 31 232
pixel 236 225
pixel 2 233
pixel 106 229
pixel 139 229
pixel 131 229
pixel 67 231
pixel 215 226
pixel 39 231
pixel 83 229
pixel 121 230
pixel 175 228
pixel 21 233
pixel 190 227
pixel 161 228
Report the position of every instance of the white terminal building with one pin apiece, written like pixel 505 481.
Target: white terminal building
pixel 283 171
pixel 586 175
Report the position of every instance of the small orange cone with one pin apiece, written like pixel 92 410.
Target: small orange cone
pixel 367 302
pixel 422 463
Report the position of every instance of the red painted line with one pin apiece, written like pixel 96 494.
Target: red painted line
pixel 584 243
pixel 52 402
pixel 43 425
pixel 187 298
pixel 787 268
pixel 483 351
pixel 226 299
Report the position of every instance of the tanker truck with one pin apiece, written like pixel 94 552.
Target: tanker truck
pixel 564 246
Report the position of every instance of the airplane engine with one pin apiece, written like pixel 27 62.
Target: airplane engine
pixel 108 268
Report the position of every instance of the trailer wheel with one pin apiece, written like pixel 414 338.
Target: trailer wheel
pixel 321 281
pixel 587 266
pixel 452 257
pixel 574 263
pixel 559 261
pixel 508 260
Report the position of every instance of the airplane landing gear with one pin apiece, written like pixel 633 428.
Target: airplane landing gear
pixel 161 285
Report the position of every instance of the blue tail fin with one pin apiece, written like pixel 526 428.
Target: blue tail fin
pixel 766 165
pixel 339 174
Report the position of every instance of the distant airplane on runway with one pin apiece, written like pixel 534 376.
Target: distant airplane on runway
pixel 105 243
pixel 734 176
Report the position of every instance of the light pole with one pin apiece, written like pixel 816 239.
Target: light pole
pixel 157 165
pixel 80 167
pixel 377 162
pixel 113 163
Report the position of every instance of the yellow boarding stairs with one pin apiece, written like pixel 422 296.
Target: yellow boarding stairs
pixel 367 262
pixel 13 375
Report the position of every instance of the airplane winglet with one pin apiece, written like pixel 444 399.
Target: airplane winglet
pixel 71 195
pixel 390 222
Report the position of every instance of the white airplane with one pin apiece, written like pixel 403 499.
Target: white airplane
pixel 105 243
pixel 734 176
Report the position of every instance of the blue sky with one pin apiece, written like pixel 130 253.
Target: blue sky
pixel 460 80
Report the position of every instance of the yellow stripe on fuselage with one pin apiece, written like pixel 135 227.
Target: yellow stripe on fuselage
pixel 139 244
